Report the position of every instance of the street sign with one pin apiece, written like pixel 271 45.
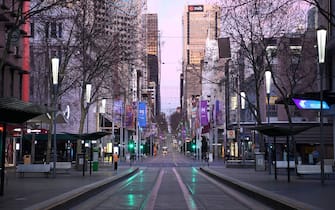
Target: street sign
pixel 310 104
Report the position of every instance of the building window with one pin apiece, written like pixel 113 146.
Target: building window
pixel 32 29
pixel 53 30
pixel 60 30
pixel 46 27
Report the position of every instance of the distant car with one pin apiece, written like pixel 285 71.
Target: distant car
pixel 165 150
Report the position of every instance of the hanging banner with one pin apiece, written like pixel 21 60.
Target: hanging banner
pixel 218 112
pixel 117 112
pixel 203 113
pixel 129 119
pixel 142 114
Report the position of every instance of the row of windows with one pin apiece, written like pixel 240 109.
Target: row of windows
pixel 51 29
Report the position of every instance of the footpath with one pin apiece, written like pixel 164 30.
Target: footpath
pixel 303 192
pixel 36 191
pixel 25 192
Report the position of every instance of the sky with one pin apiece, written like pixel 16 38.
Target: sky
pixel 170 25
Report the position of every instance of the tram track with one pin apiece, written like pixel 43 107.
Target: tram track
pixel 169 188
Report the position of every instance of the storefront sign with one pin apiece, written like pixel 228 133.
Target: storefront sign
pixel 231 134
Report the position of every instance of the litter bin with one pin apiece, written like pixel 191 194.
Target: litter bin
pixel 95 165
pixel 95 160
pixel 260 162
pixel 81 162
pixel 27 159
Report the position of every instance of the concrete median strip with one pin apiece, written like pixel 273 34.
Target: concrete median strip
pixel 68 197
pixel 272 199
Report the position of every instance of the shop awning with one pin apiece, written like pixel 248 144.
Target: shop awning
pixel 44 137
pixel 68 136
pixel 89 136
pixel 13 110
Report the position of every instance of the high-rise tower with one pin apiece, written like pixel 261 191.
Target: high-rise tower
pixel 199 23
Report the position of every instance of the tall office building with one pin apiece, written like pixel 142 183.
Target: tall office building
pixel 153 59
pixel 199 23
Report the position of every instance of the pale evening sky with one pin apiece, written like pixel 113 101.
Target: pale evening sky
pixel 170 25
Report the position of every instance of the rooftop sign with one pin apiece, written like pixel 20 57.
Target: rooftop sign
pixel 196 8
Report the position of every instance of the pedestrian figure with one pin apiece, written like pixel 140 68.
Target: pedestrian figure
pixel 115 159
pixel 316 155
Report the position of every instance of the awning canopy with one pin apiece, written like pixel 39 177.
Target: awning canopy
pixel 46 118
pixel 89 136
pixel 68 136
pixel 13 110
pixel 44 137
pixel 271 130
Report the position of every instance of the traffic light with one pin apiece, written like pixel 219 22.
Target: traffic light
pixel 131 146
pixel 141 147
pixel 193 145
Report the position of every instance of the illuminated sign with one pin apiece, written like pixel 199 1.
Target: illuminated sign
pixel 196 8
pixel 310 104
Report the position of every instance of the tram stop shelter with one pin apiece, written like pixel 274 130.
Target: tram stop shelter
pixel 281 131
pixel 15 111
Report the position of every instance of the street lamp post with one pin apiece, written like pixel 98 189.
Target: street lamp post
pixel 321 34
pixel 55 68
pixel 268 90
pixel 243 98
pixel 88 99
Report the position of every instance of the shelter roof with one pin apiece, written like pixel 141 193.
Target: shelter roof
pixel 271 130
pixel 13 110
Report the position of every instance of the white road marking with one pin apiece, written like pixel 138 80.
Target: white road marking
pixel 187 196
pixel 153 195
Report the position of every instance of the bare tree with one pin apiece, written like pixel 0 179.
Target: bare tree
pixel 251 25
pixel 25 11
pixel 91 52
pixel 175 121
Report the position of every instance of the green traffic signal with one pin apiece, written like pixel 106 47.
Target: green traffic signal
pixel 141 146
pixel 131 145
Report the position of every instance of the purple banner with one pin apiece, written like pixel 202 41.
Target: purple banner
pixel 117 112
pixel 203 113
pixel 130 120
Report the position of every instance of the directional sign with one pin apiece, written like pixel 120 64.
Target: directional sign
pixel 310 104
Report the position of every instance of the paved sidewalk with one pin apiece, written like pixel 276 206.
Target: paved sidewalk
pixel 306 189
pixel 22 192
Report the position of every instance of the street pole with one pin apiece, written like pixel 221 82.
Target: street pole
pixel 55 68
pixel 88 99
pixel 321 41
pixel 268 91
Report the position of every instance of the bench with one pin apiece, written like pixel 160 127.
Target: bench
pixel 313 169
pixel 240 163
pixel 33 168
pixel 283 164
pixel 61 166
